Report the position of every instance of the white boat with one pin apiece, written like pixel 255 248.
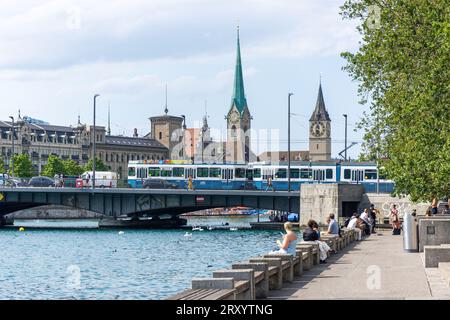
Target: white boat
pixel 234 229
pixel 197 229
pixel 187 234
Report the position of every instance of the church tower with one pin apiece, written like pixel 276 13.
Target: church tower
pixel 320 131
pixel 238 118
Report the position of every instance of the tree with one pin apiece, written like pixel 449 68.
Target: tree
pixel 402 68
pixel 71 168
pixel 54 166
pixel 99 165
pixel 23 167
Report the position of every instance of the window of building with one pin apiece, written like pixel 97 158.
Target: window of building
pixel 160 135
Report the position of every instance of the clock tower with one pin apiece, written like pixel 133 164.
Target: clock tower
pixel 320 131
pixel 238 118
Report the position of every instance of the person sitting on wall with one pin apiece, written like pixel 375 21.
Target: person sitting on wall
pixel 287 246
pixel 333 226
pixel 353 224
pixel 312 234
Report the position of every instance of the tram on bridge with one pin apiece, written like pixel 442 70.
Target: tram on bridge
pixel 255 176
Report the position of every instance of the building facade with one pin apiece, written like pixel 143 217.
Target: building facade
pixel 40 140
pixel 320 131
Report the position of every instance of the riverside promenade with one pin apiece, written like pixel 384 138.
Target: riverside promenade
pixel 375 268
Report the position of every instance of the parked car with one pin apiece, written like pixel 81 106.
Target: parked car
pixel 41 182
pixel 158 184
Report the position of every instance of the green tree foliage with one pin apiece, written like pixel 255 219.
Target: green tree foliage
pixel 71 168
pixel 54 166
pixel 99 165
pixel 402 66
pixel 23 167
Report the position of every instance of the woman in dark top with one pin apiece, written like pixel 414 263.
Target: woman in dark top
pixel 312 234
pixel 309 234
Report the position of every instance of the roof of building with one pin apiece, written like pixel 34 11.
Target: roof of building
pixel 320 112
pixel 238 99
pixel 132 141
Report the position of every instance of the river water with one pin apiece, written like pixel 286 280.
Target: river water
pixel 90 263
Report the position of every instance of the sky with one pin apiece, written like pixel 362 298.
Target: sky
pixel 55 55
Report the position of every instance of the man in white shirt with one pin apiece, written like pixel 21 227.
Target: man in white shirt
pixel 353 224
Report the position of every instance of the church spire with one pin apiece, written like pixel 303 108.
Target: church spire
pixel 320 112
pixel 109 119
pixel 238 98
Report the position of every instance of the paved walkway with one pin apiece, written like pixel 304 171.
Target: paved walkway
pixel 375 268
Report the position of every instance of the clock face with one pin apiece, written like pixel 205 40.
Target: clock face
pixel 234 117
pixel 317 129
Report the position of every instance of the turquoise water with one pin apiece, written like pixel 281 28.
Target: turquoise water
pixel 113 264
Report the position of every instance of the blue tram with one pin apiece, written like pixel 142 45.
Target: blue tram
pixel 255 175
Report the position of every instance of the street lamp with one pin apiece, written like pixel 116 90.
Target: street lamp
pixel 93 147
pixel 183 138
pixel 289 142
pixel 12 139
pixel 345 146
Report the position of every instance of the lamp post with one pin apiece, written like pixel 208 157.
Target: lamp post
pixel 93 146
pixel 12 139
pixel 289 142
pixel 345 143
pixel 183 138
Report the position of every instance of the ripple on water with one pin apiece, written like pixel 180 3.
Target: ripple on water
pixel 100 264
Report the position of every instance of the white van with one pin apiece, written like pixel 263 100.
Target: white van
pixel 103 179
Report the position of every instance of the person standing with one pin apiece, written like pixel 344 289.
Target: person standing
pixel 395 221
pixel 434 206
pixel 190 183
pixel 56 178
pixel 88 177
pixel 269 184
pixel 373 213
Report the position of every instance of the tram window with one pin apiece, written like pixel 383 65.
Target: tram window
pixel 202 172
pixel 178 172
pixel 214 172
pixel 131 171
pixel 239 173
pixel 166 173
pixel 305 174
pixel 370 174
pixel 142 173
pixel 154 172
pixel 329 174
pixel 256 173
pixel 281 174
pixel 295 173
pixel 249 174
pixel 347 173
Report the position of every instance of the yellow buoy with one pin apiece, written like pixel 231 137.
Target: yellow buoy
pixel 21 229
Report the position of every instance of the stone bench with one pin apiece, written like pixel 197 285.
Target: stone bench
pixel 332 240
pixel 313 251
pixel 275 271
pixel 244 282
pixel 261 279
pixel 444 267
pixel 436 254
pixel 208 289
pixel 287 265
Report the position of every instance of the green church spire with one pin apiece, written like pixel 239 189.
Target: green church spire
pixel 238 98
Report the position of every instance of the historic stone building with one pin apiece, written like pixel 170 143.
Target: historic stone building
pixel 238 118
pixel 320 131
pixel 168 130
pixel 40 140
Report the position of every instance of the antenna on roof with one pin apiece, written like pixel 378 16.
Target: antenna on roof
pixel 109 118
